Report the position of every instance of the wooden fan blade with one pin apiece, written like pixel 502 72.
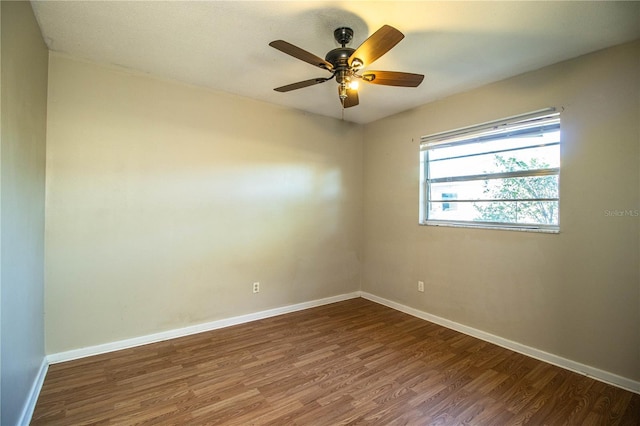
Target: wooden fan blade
pixel 392 78
pixel 301 54
pixel 352 98
pixel 300 84
pixel 377 45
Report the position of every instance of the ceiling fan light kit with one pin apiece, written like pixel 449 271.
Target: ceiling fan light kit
pixel 344 63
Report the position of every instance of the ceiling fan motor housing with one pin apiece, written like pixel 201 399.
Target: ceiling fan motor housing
pixel 339 58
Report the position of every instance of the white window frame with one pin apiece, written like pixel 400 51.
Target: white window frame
pixel 534 121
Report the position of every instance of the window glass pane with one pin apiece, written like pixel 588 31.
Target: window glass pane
pixel 455 211
pixel 468 190
pixel 516 212
pixel 496 189
pixel 496 145
pixel 525 159
pixel 521 187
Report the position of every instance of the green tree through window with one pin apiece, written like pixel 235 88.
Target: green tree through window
pixel 520 188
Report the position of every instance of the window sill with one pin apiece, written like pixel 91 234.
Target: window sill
pixel 499 227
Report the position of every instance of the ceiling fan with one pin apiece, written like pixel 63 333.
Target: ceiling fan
pixel 345 63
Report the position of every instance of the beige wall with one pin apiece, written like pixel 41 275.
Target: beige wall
pixel 575 294
pixel 165 202
pixel 23 124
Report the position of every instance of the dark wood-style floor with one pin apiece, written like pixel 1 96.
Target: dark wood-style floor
pixel 353 362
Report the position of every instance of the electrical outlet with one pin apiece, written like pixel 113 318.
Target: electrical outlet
pixel 256 287
pixel 421 286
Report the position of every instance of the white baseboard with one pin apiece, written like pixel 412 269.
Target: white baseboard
pixel 186 331
pixel 34 393
pixel 595 373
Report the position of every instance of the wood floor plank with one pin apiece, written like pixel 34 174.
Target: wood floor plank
pixel 348 363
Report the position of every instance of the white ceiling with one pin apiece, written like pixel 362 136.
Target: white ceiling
pixel 223 45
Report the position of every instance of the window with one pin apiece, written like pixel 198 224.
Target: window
pixel 448 196
pixel 503 174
